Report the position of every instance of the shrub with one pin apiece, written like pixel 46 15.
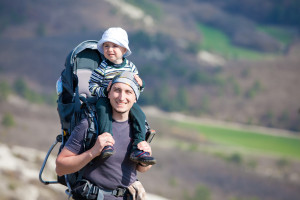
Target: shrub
pixel 20 87
pixel 173 182
pixel 8 120
pixel 148 7
pixel 4 91
pixel 182 99
pixel 41 30
pixel 193 147
pixel 282 162
pixel 252 163
pixel 235 158
pixel 201 192
pixel 254 90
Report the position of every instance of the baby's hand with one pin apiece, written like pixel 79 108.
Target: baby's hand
pixel 144 146
pixel 138 80
pixel 108 87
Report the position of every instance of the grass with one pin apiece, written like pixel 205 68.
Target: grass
pixel 216 41
pixel 249 140
pixel 284 35
pixel 148 7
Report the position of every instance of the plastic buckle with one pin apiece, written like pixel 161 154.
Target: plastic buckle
pixel 119 192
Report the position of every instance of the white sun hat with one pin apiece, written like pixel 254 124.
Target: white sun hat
pixel 115 35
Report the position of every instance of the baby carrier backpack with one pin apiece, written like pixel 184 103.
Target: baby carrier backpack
pixel 75 102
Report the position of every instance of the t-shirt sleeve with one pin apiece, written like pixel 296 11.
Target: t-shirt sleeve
pixel 75 141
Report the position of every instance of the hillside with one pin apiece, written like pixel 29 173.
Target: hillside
pixel 187 162
pixel 223 60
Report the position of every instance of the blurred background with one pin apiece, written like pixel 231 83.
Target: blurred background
pixel 222 92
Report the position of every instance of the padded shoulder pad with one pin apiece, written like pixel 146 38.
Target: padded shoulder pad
pixel 83 81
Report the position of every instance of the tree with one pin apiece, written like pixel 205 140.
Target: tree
pixel 182 99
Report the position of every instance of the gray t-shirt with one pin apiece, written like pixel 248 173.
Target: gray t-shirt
pixel 117 170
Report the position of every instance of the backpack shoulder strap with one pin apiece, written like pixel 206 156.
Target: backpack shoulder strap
pixel 92 132
pixel 88 111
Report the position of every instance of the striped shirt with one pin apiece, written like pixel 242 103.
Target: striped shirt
pixel 104 73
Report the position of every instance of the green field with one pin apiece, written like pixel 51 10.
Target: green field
pixel 249 140
pixel 284 35
pixel 216 41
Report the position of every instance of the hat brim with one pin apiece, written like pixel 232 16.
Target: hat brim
pixel 102 41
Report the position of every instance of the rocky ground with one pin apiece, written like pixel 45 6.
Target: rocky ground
pixel 180 171
pixel 23 148
pixel 19 174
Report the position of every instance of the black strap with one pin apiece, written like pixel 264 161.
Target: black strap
pixel 119 192
pixel 90 191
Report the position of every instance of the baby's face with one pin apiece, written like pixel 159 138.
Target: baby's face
pixel 113 52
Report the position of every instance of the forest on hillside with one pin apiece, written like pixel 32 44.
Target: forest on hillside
pixel 241 34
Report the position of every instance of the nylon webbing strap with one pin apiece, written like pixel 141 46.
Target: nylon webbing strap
pixel 90 189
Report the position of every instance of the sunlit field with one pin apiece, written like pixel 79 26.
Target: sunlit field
pixel 248 140
pixel 216 41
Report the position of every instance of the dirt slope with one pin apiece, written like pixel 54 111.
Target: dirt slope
pixel 179 172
